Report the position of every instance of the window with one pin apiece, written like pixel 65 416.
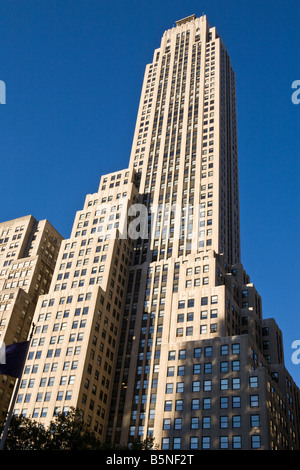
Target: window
pixel 224 422
pixel 178 423
pixel 206 422
pixel 236 421
pixel 194 443
pixel 172 355
pixel 189 331
pixel 224 384
pixel 224 366
pixel 224 349
pixel 179 405
pixel 236 402
pixel 236 442
pixel 253 382
pixel 167 423
pixel 205 442
pixel 180 318
pixel 253 400
pixel 197 352
pixel 168 405
pixel 255 442
pixel 196 386
pixel 224 442
pixel 177 443
pixel 224 402
pixel 182 354
pixel 195 405
pixel 254 421
pixel 207 385
pixel 194 423
pixel 165 444
pixel 236 383
pixel 206 403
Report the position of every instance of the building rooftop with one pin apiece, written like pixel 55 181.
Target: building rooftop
pixel 185 20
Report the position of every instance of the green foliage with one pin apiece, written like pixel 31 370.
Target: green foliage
pixel 25 434
pixel 65 432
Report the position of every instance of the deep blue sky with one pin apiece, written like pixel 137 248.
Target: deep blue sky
pixel 73 71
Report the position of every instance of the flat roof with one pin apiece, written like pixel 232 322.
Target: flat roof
pixel 185 20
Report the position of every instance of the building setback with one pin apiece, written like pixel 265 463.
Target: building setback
pixel 73 352
pixel 163 334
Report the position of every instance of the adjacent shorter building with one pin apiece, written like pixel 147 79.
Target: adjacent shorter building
pixel 28 253
pixel 73 352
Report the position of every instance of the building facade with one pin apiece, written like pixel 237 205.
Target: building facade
pixel 28 253
pixel 198 366
pixel 151 325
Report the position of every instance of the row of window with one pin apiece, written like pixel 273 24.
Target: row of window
pixel 207 350
pixel 196 384
pixel 42 413
pixel 207 402
pixel 205 422
pixel 204 301
pixel 68 300
pixel 204 329
pixel 203 315
pixel 205 442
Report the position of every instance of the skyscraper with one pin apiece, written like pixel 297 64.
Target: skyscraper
pixel 151 325
pixel 198 366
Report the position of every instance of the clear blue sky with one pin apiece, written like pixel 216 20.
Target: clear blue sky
pixel 73 71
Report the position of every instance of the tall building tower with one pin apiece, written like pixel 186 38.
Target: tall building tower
pixel 151 326
pixel 28 253
pixel 185 144
pixel 198 367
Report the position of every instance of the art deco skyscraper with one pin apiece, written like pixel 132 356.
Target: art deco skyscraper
pixel 198 367
pixel 185 142
pixel 164 336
